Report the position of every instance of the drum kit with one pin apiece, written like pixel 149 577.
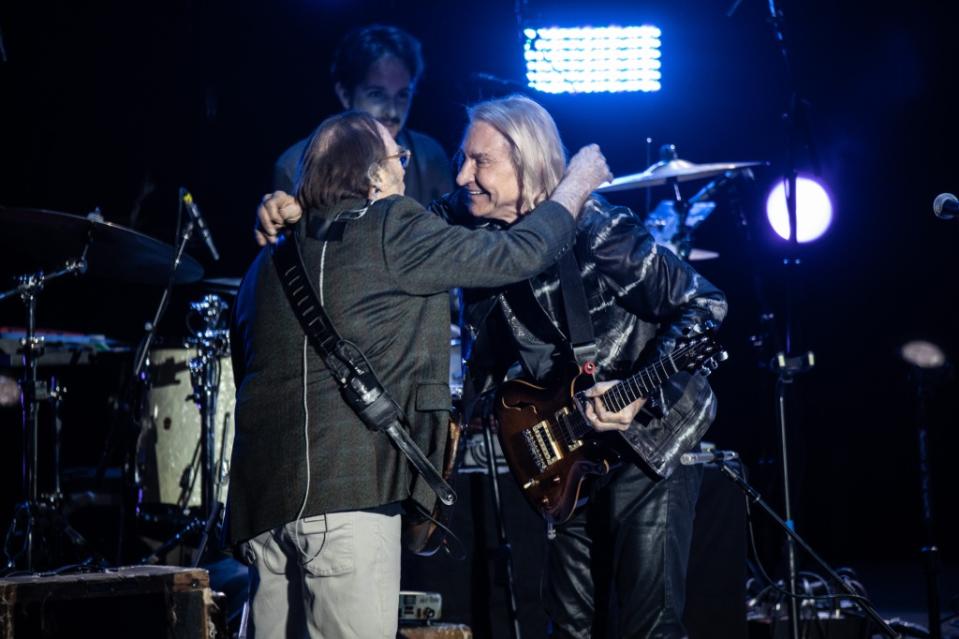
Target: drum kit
pixel 183 400
pixel 183 403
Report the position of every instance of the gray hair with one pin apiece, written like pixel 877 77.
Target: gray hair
pixel 535 146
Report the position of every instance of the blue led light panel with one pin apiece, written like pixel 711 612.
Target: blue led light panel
pixel 593 59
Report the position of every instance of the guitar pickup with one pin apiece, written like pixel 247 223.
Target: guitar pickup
pixel 564 417
pixel 542 445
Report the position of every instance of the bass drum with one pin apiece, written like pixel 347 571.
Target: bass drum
pixel 169 477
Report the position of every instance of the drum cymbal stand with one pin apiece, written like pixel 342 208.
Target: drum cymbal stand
pixel 35 508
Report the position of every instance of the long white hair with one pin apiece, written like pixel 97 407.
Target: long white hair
pixel 536 149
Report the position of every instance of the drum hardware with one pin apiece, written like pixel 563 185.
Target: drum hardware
pixel 44 240
pixel 670 169
pixel 59 348
pixel 211 341
pixel 671 223
pixel 179 270
pixel 39 513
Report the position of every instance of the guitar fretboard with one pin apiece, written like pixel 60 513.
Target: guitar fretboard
pixel 573 425
pixel 647 380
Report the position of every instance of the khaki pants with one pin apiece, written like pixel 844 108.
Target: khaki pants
pixel 332 576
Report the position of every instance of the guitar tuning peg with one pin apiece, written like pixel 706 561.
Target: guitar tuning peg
pixel 705 371
pixel 722 356
pixel 712 364
pixel 710 325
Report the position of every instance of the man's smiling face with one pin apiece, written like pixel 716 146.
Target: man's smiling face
pixel 489 175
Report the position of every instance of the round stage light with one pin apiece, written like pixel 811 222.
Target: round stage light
pixel 813 210
pixel 923 354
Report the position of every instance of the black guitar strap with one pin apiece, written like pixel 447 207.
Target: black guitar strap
pixel 581 337
pixel 348 365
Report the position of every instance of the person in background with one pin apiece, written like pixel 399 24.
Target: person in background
pixel 375 70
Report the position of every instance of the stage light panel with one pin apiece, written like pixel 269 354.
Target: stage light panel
pixel 593 59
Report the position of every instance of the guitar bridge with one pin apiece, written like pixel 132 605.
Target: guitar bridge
pixel 542 445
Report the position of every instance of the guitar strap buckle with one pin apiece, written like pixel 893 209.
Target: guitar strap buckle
pixel 585 356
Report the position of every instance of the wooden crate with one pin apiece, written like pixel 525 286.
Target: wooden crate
pixel 146 602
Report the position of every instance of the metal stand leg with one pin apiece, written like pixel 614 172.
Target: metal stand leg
pixel 792 576
pixel 505 549
pixel 930 552
pixel 33 391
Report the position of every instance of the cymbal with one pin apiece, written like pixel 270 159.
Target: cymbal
pixel 36 239
pixel 666 171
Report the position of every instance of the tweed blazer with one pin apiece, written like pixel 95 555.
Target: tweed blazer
pixel 384 284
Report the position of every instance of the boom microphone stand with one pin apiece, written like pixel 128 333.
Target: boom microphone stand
pixel 753 495
pixel 788 363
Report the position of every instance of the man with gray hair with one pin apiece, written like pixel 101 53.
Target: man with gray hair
pixel 630 542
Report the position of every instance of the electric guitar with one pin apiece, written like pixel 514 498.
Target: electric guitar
pixel 549 444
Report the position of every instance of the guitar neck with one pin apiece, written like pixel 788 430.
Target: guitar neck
pixel 639 385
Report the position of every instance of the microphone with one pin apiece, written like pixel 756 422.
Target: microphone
pixel 187 198
pixel 945 206
pixel 707 457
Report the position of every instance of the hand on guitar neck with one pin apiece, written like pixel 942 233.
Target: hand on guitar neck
pixel 600 418
pixel 548 432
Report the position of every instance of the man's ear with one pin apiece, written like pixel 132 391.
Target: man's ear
pixel 375 174
pixel 343 95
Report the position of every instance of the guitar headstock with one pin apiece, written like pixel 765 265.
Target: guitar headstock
pixel 699 351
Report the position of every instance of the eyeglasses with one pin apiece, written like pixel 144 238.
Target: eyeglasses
pixel 403 155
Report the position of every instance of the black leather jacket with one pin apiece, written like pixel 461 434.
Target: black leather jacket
pixel 641 298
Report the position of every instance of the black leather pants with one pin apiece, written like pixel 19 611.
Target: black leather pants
pixel 628 546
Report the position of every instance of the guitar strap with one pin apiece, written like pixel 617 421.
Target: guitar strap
pixel 348 365
pixel 581 337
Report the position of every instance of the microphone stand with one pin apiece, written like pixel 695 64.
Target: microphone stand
pixel 144 349
pixel 787 363
pixel 753 495
pixel 930 551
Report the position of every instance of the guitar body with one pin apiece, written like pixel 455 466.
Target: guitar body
pixel 548 459
pixel 550 446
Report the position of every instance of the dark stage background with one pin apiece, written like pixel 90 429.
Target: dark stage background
pixel 116 104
